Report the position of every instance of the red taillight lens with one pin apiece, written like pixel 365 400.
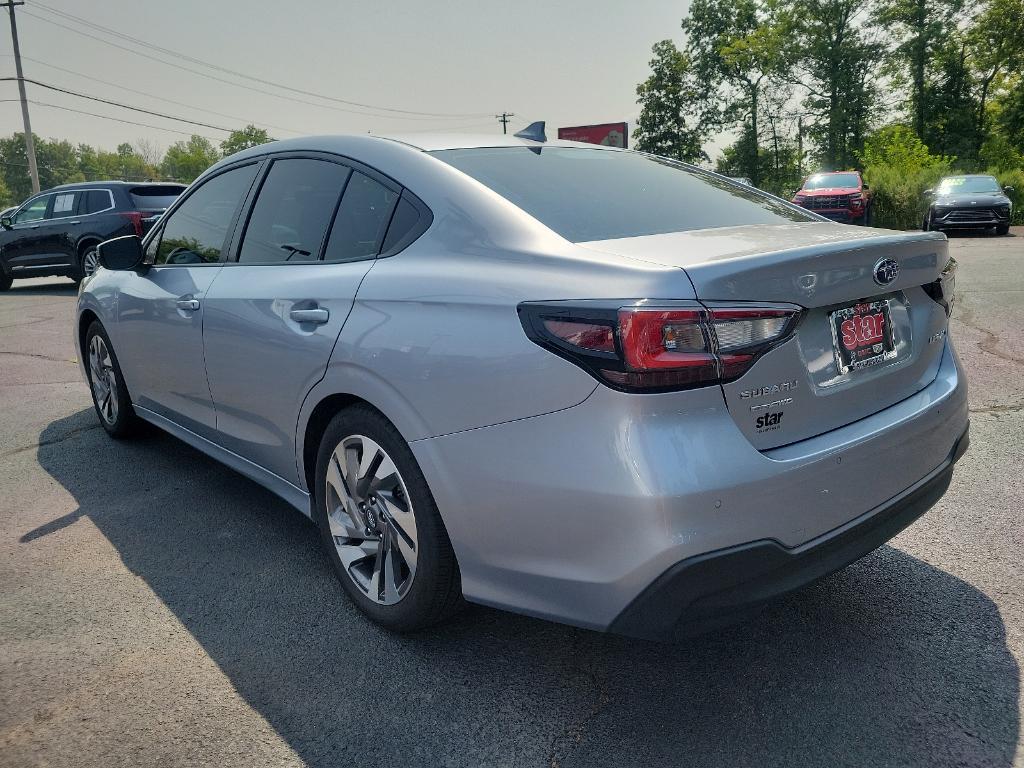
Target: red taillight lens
pixel 600 338
pixel 136 219
pixel 648 349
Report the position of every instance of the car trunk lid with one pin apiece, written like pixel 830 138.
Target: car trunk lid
pixel 802 387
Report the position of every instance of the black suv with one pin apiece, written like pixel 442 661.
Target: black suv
pixel 57 231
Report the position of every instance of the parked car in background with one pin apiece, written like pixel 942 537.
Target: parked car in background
pixel 56 232
pixel 839 195
pixel 971 201
pixel 481 380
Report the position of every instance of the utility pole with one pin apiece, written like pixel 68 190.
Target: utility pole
pixel 503 118
pixel 30 147
pixel 800 147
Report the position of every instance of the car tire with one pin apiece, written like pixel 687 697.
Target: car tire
pixel 1003 229
pixel 397 565
pixel 88 262
pixel 5 281
pixel 110 396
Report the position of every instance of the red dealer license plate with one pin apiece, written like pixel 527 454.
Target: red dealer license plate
pixel 863 335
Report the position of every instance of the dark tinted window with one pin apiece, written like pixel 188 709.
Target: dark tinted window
pixel 196 231
pixel 293 211
pixel 593 194
pixel 95 200
pixel 34 211
pixel 952 185
pixel 155 198
pixel 402 222
pixel 362 220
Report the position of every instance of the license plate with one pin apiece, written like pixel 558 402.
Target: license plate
pixel 862 334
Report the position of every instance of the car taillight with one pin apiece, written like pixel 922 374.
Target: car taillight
pixel 941 290
pixel 680 345
pixel 135 217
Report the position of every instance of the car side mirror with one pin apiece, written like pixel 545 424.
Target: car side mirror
pixel 1007 189
pixel 121 253
pixel 866 187
pixel 6 222
pixel 929 192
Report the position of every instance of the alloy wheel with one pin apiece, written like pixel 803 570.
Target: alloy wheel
pixel 90 262
pixel 103 379
pixel 371 519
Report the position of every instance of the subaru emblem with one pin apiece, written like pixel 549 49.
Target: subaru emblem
pixel 886 270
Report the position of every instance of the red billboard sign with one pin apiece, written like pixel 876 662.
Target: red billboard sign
pixel 608 134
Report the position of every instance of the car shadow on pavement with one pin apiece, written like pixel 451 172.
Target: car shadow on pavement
pixel 889 662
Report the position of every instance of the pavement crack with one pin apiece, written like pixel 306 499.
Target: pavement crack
pixel 990 343
pixel 562 744
pixel 1007 408
pixel 39 356
pixel 68 435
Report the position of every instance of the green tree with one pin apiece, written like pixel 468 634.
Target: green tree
pixel 917 28
pixel 997 37
pixel 665 99
pixel 734 48
pixel 250 136
pixel 832 61
pixel 185 160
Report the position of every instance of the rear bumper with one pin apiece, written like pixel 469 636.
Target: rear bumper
pixel 574 515
pixel 717 588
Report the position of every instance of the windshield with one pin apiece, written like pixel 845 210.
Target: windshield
pixel 952 185
pixel 593 194
pixel 832 180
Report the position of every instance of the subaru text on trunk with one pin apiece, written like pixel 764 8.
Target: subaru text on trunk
pixel 573 381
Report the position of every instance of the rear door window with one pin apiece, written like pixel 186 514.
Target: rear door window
pixel 293 211
pixel 154 198
pixel 195 232
pixel 63 205
pixel 362 220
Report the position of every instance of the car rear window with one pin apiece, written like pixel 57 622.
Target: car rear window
pixel 154 198
pixel 593 194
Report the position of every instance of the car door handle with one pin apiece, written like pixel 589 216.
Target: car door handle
pixel 317 315
pixel 74 222
pixel 190 305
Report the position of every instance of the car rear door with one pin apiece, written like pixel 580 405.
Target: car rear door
pixel 274 315
pixel 159 331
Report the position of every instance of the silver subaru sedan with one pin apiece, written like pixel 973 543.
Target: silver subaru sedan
pixel 581 383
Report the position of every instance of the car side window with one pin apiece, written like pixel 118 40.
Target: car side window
pixel 290 218
pixel 405 218
pixel 95 200
pixel 63 205
pixel 362 220
pixel 195 233
pixel 34 211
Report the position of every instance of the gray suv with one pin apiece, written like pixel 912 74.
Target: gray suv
pixel 577 382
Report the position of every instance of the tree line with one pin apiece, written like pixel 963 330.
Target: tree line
pixel 812 85
pixel 61 162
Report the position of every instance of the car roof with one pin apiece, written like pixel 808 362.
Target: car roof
pixel 117 183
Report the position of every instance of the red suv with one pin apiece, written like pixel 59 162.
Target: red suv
pixel 839 195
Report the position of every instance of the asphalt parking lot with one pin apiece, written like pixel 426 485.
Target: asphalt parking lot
pixel 157 609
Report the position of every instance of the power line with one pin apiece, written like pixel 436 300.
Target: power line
pixel 160 98
pixel 503 118
pixel 118 119
pixel 207 76
pixel 262 81
pixel 115 103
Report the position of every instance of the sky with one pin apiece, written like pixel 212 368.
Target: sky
pixel 567 62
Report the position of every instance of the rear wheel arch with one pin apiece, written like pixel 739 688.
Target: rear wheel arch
pixel 316 425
